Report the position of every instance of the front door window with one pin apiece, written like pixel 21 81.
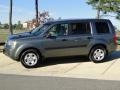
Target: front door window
pixel 59 30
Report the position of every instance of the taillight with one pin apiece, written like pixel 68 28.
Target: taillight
pixel 115 39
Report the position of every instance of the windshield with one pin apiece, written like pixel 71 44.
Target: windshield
pixel 39 30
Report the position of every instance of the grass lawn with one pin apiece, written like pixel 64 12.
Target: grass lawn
pixel 4 34
pixel 3 37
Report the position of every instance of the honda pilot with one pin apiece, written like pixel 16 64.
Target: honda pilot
pixel 94 38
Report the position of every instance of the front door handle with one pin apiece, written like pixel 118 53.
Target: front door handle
pixel 64 39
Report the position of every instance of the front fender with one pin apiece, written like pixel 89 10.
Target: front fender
pixel 21 48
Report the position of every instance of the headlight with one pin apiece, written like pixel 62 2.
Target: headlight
pixel 11 43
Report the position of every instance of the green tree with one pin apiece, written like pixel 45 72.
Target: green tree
pixel 19 25
pixel 106 6
pixel 14 26
pixel 0 24
pixel 6 26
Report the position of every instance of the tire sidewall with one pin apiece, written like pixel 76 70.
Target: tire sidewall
pixel 91 57
pixel 23 56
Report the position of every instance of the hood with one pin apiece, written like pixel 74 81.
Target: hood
pixel 20 35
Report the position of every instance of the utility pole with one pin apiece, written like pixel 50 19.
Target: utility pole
pixel 36 8
pixel 10 17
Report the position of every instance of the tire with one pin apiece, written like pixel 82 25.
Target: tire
pixel 98 54
pixel 30 58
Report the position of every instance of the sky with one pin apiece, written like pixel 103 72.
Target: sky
pixel 24 10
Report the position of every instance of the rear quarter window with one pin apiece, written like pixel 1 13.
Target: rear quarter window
pixel 102 27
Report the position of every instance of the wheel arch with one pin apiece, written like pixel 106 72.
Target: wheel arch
pixel 28 48
pixel 99 44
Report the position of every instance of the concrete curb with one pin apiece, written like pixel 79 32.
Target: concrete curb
pixel 94 77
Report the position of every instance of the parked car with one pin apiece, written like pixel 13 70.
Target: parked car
pixel 94 38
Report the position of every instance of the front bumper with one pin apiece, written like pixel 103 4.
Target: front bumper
pixel 8 51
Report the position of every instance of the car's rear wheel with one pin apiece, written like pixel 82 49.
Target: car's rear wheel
pixel 30 58
pixel 98 54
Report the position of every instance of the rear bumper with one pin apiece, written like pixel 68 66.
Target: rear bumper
pixel 112 48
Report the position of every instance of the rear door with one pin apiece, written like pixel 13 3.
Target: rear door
pixel 80 37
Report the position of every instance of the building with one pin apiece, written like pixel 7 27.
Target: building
pixel 25 25
pixel 42 18
pixel 29 24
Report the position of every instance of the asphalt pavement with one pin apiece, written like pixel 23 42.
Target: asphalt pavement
pixel 14 82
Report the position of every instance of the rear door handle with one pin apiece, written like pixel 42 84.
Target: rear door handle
pixel 89 37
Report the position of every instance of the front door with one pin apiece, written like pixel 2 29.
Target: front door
pixel 57 41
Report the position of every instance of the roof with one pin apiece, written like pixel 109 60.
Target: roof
pixel 75 20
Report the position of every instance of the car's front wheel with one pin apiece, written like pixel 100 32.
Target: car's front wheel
pixel 98 54
pixel 30 58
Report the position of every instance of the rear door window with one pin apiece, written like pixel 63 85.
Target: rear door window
pixel 102 28
pixel 80 28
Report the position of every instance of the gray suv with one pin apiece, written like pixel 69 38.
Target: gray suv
pixel 94 38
